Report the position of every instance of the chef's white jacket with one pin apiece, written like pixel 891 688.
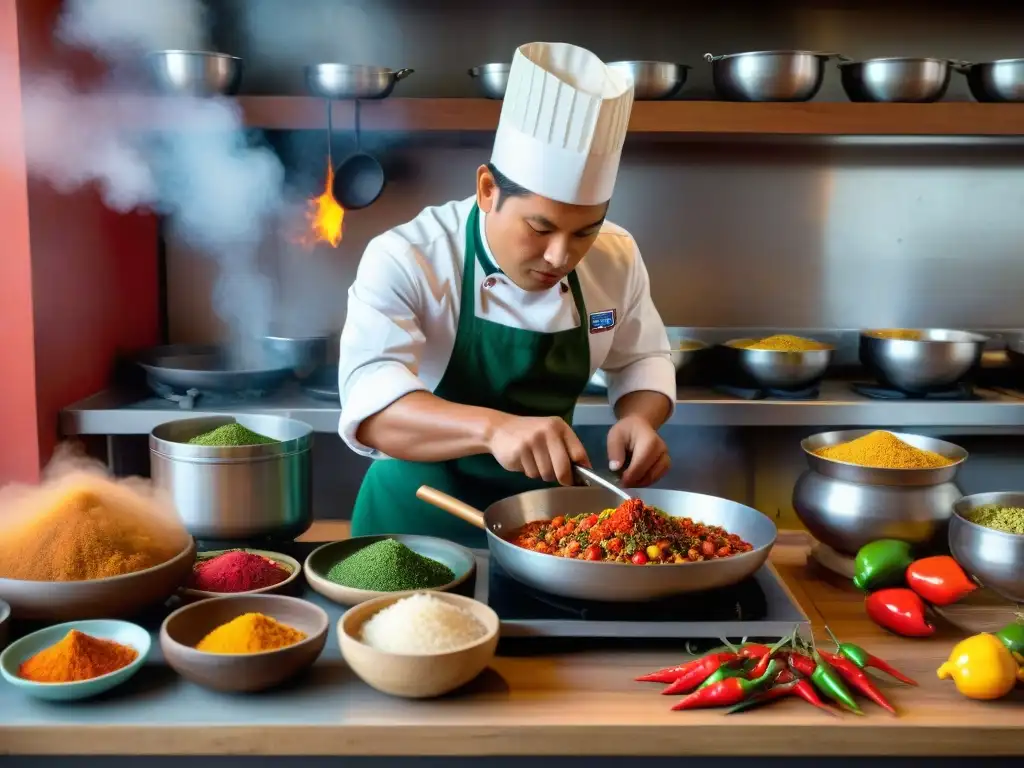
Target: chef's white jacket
pixel 403 312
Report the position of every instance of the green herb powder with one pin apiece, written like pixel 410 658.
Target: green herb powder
pixel 1008 519
pixel 231 435
pixel 389 566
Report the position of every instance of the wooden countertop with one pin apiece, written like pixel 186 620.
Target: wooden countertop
pixel 583 703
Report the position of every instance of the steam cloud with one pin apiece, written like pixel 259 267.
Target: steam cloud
pixel 220 193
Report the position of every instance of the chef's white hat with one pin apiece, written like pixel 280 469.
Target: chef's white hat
pixel 563 123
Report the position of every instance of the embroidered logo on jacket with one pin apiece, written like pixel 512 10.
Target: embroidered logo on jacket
pixel 602 321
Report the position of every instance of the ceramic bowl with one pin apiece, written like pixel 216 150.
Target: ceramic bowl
pixel 288 563
pixel 116 596
pixel 183 629
pixel 122 632
pixel 417 676
pixel 322 559
pixel 5 620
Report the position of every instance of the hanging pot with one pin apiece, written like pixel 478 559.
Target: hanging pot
pixel 359 180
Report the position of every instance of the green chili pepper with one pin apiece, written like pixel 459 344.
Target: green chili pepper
pixel 1012 636
pixel 881 563
pixel 831 684
pixel 724 673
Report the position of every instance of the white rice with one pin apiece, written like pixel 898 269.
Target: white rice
pixel 421 623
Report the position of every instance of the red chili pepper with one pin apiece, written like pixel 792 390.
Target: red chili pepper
pixel 899 610
pixel 940 580
pixel 671 674
pixel 701 672
pixel 803 664
pixel 726 692
pixel 863 659
pixel 856 677
pixel 754 650
pixel 784 676
pixel 796 687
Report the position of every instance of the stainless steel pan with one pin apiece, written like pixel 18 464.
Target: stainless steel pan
pixel 613 582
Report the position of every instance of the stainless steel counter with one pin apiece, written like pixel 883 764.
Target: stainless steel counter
pixel 108 413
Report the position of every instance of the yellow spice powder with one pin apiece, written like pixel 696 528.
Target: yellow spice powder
pixel 899 334
pixel 883 450
pixel 250 633
pixel 786 343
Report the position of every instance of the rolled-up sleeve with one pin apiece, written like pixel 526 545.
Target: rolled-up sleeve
pixel 382 342
pixel 639 358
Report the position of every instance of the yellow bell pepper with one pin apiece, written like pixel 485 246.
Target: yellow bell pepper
pixel 1020 669
pixel 982 667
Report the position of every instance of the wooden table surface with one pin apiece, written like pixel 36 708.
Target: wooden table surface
pixel 586 703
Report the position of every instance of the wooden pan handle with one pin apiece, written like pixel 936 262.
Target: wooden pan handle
pixel 451 505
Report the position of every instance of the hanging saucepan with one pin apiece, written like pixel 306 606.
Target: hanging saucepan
pixel 359 180
pixel 611 581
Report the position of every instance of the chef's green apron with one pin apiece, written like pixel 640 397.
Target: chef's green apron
pixel 512 370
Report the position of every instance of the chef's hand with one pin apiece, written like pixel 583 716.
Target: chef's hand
pixel 539 447
pixel 648 460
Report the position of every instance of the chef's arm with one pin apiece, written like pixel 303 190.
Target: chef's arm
pixel 652 407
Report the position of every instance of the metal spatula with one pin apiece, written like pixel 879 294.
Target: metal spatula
pixel 594 480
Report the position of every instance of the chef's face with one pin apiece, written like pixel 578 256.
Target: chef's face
pixel 536 241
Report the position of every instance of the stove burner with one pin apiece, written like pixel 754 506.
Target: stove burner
pixel 187 400
pixel 512 600
pixel 885 392
pixel 758 393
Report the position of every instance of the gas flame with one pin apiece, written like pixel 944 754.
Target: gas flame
pixel 325 215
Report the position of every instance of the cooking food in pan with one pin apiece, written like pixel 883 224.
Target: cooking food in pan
pixel 633 533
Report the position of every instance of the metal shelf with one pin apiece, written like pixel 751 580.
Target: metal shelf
pixel 108 413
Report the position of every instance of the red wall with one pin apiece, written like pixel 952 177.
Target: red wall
pixel 78 283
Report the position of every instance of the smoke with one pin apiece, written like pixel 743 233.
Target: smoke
pixel 221 194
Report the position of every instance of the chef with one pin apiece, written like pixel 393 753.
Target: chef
pixel 473 329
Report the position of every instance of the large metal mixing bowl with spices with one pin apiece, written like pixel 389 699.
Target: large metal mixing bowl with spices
pixel 794 365
pixel 993 557
pixel 845 505
pixel 921 360
pixel 236 492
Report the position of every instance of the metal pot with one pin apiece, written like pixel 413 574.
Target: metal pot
pixel 999 81
pixel 777 369
pixel 936 360
pixel 768 75
pixel 303 354
pixel 236 493
pixel 195 73
pixel 653 80
pixel 352 81
pixel 613 582
pixel 492 78
pixel 917 80
pixel 995 558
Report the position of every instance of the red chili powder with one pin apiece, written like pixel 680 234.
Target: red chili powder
pixel 237 572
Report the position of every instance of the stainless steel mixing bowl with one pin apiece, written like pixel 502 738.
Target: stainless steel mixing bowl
pixel 682 358
pixel 195 73
pixel 782 370
pixel 855 473
pixel 352 81
pixel 937 360
pixel 236 493
pixel 895 79
pixel 492 78
pixel 846 515
pixel 994 558
pixel 653 80
pixel 1000 81
pixel 768 75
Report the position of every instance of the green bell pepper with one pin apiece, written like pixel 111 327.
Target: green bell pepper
pixel 881 563
pixel 1012 636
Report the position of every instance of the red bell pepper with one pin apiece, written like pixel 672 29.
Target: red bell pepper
pixel 899 610
pixel 940 580
pixel 856 677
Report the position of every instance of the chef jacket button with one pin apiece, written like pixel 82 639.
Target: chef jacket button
pixel 565 288
pixel 490 282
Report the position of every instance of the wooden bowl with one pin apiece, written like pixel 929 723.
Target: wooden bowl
pixel 183 629
pixel 113 597
pixel 417 676
pixel 322 559
pixel 290 564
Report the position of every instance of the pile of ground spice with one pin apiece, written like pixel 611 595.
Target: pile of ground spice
pixel 231 436
pixel 785 343
pixel 883 450
pixel 897 334
pixel 389 566
pixel 1006 519
pixel 250 633
pixel 237 571
pixel 76 657
pixel 88 533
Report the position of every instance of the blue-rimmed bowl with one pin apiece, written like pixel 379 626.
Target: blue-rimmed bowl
pixel 122 632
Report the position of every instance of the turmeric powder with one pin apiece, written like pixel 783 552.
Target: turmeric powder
pixel 785 343
pixel 883 450
pixel 898 334
pixel 77 657
pixel 250 633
